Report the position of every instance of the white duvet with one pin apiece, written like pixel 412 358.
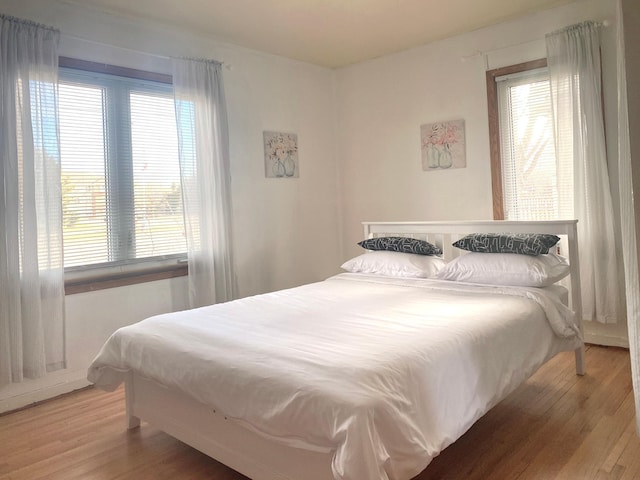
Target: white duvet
pixel 384 372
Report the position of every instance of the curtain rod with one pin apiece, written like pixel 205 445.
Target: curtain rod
pixel 226 65
pixel 479 53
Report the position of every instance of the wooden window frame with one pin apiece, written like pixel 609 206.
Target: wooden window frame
pixel 494 128
pixel 113 280
pixel 144 274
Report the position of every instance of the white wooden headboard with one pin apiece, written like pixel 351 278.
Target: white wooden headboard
pixel 443 234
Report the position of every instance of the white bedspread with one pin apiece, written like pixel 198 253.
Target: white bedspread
pixel 384 372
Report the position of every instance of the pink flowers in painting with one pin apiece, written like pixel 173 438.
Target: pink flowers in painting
pixel 440 134
pixel 443 145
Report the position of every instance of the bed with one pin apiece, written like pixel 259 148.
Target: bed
pixel 356 377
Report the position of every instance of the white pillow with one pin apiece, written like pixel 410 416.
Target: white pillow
pixel 395 264
pixel 506 269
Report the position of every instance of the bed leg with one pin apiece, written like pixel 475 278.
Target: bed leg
pixel 132 420
pixel 580 360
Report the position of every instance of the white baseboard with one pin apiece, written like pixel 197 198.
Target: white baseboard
pixel 609 341
pixel 20 395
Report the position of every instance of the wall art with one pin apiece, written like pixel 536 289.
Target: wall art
pixel 281 155
pixel 443 145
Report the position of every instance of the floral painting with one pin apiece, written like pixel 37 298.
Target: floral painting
pixel 281 155
pixel 443 145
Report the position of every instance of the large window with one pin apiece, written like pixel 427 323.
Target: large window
pixel 526 181
pixel 121 194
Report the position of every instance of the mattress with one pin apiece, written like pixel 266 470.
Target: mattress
pixel 383 372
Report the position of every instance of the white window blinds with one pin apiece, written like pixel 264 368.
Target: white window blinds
pixel 122 200
pixel 531 188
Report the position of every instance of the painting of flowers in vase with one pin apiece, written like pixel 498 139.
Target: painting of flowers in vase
pixel 443 145
pixel 281 155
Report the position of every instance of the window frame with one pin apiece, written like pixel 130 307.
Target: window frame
pixel 92 278
pixel 494 128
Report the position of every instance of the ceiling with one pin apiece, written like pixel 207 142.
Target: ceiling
pixel 330 33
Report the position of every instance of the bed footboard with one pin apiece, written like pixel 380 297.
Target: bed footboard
pixel 212 433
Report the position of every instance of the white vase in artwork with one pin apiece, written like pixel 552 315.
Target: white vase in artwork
pixel 278 168
pixel 433 156
pixel 289 166
pixel 445 160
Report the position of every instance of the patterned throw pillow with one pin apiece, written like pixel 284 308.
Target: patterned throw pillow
pixel 400 244
pixel 523 243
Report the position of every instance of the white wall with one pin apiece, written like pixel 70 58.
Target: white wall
pixel 276 222
pixel 382 103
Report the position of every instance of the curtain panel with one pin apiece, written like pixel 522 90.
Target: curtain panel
pixel 203 145
pixel 573 58
pixel 31 261
pixel 627 215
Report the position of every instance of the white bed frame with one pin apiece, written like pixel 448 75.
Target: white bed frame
pixel 260 459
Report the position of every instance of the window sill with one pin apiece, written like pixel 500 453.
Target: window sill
pixel 120 279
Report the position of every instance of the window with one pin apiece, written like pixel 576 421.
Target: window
pixel 121 193
pixel 526 183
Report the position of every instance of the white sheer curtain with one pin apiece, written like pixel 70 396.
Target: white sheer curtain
pixel 203 141
pixel 31 270
pixel 627 215
pixel 573 56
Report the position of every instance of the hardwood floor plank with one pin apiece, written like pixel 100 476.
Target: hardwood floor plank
pixel 557 426
pixel 611 463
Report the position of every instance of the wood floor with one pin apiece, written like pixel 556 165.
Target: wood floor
pixel 556 426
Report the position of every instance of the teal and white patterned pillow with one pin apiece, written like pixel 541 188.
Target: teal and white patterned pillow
pixel 522 243
pixel 401 244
